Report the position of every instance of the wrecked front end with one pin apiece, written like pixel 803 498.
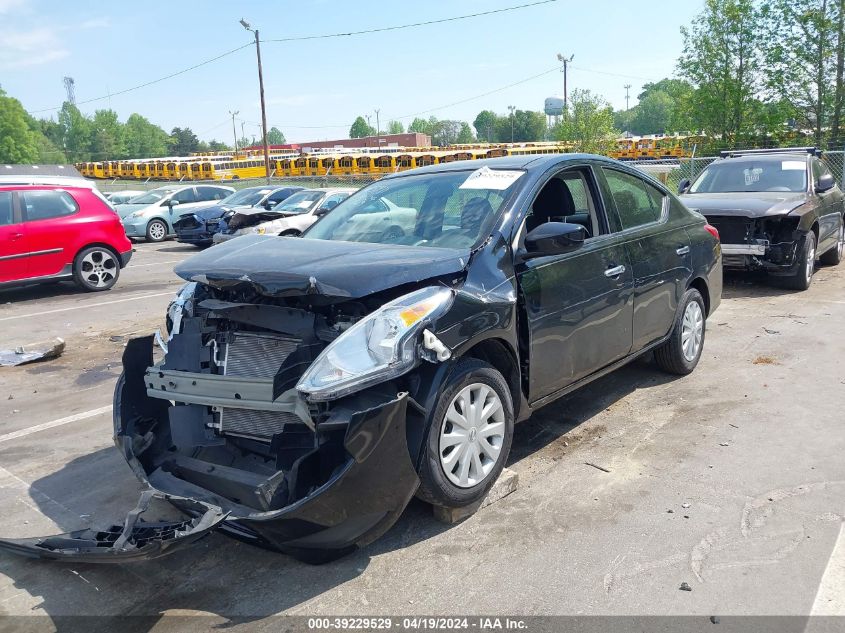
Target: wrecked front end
pixel 263 418
pixel 768 243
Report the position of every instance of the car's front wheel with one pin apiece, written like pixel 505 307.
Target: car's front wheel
pixel 805 265
pixel 156 231
pixel 681 353
pixel 96 268
pixel 470 436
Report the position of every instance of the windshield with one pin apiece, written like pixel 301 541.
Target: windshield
pixel 301 202
pixel 245 197
pixel 151 196
pixel 732 176
pixel 446 209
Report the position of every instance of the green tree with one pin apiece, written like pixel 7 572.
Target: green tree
pixel 77 133
pixel 421 126
pixel 18 143
pixel 528 126
pixel 589 124
pixel 183 141
pixel 444 132
pixel 143 139
pixel 107 136
pixel 839 74
pixel 722 60
pixel 275 137
pixel 218 146
pixel 800 56
pixel 653 114
pixel 486 124
pixel 465 134
pixel 360 129
pixel 395 127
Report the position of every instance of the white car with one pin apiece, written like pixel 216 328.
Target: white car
pixel 122 197
pixel 152 214
pixel 289 218
pixel 380 220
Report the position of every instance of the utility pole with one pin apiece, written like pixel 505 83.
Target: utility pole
pixel 234 133
pixel 247 26
pixel 378 127
pixel 511 108
pixel 243 134
pixel 565 61
pixel 627 88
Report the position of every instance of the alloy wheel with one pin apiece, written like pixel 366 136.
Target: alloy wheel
pixel 471 435
pixel 811 261
pixel 99 268
pixel 692 330
pixel 157 231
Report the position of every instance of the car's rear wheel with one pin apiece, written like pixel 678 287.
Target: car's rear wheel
pixel 470 436
pixel 806 264
pixel 156 231
pixel 96 268
pixel 681 353
pixel 835 254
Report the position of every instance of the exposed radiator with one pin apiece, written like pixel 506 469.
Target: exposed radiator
pixel 256 356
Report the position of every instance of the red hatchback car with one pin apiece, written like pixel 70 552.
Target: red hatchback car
pixel 50 233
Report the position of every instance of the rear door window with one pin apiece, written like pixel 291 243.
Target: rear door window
pixel 186 196
pixel 637 202
pixel 6 215
pixel 44 205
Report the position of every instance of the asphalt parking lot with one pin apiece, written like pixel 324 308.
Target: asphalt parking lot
pixel 731 480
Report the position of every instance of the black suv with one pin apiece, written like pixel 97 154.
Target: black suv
pixel 312 386
pixel 776 211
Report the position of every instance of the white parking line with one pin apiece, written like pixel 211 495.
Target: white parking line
pixel 53 424
pixel 169 261
pixel 830 598
pixel 85 306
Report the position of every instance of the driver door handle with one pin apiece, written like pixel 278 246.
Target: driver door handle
pixel 614 272
pixel 683 250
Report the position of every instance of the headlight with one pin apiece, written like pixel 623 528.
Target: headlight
pixel 379 347
pixel 259 229
pixel 182 304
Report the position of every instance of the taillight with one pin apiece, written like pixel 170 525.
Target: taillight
pixel 712 230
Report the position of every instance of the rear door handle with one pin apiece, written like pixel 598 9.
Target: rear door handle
pixel 16 236
pixel 614 272
pixel 683 250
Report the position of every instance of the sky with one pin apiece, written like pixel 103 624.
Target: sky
pixel 315 88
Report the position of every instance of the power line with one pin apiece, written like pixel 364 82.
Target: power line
pixel 150 83
pixel 301 38
pixel 603 72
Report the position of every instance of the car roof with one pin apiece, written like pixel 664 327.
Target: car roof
pixel 49 187
pixel 772 158
pixel 529 162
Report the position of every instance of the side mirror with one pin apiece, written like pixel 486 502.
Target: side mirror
pixel 554 238
pixel 268 204
pixel 683 185
pixel 172 203
pixel 825 183
pixel 321 211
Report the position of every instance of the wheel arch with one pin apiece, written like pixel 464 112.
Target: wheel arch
pixel 700 284
pixel 108 247
pixel 498 353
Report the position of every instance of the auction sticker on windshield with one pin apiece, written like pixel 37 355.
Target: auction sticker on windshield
pixel 486 178
pixel 792 165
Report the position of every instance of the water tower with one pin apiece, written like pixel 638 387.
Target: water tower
pixel 553 109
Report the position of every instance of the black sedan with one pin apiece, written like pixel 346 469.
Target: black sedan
pixel 312 386
pixel 199 228
pixel 776 211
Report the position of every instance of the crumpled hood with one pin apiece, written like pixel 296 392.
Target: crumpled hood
pixel 216 211
pixel 747 205
pixel 295 266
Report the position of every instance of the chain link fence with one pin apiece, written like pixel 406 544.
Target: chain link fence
pixel 670 172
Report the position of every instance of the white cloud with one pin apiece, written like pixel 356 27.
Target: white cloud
pixel 21 49
pixel 7 6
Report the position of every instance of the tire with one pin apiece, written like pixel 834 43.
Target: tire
pixel 290 233
pixel 156 231
pixel 803 276
pixel 392 234
pixel 680 354
pixel 833 256
pixel 96 268
pixel 452 487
